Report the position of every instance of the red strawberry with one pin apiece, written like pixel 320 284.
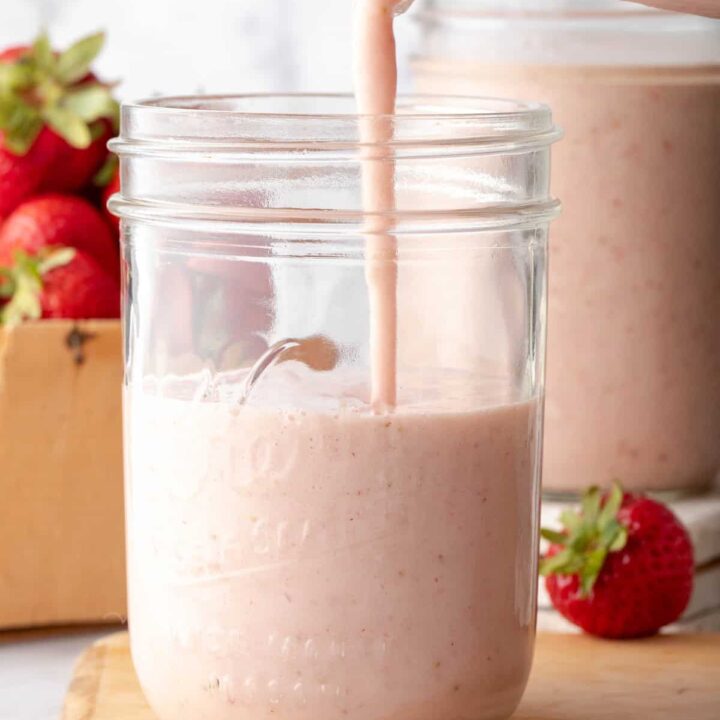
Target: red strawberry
pixel 622 568
pixel 21 175
pixel 80 289
pixel 57 283
pixel 44 91
pixel 74 168
pixel 12 54
pixel 110 189
pixel 59 220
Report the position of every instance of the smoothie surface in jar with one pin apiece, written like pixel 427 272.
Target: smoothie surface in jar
pixel 633 359
pixel 311 564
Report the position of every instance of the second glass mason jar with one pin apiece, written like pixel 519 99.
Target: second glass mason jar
pixel 295 550
pixel 633 368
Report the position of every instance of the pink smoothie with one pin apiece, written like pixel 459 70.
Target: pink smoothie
pixel 633 365
pixel 313 565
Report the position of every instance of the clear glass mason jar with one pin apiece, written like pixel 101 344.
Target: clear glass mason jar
pixel 294 552
pixel 633 367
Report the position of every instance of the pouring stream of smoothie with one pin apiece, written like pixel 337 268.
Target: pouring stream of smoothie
pixel 376 91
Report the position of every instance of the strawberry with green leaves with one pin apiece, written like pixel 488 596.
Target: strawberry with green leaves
pixel 56 220
pixel 56 283
pixel 621 568
pixel 55 118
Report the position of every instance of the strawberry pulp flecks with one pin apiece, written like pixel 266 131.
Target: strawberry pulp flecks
pixel 622 567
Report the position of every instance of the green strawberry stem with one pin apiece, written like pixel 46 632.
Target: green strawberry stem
pixel 587 538
pixel 21 284
pixel 55 89
pixel 103 177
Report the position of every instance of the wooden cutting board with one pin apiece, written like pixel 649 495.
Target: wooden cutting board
pixel 574 678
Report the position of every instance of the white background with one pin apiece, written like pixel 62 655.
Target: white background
pixel 186 46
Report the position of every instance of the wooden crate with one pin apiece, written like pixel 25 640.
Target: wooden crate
pixel 62 557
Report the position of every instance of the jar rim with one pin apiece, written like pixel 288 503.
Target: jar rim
pixel 459 106
pixel 323 122
pixel 220 154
